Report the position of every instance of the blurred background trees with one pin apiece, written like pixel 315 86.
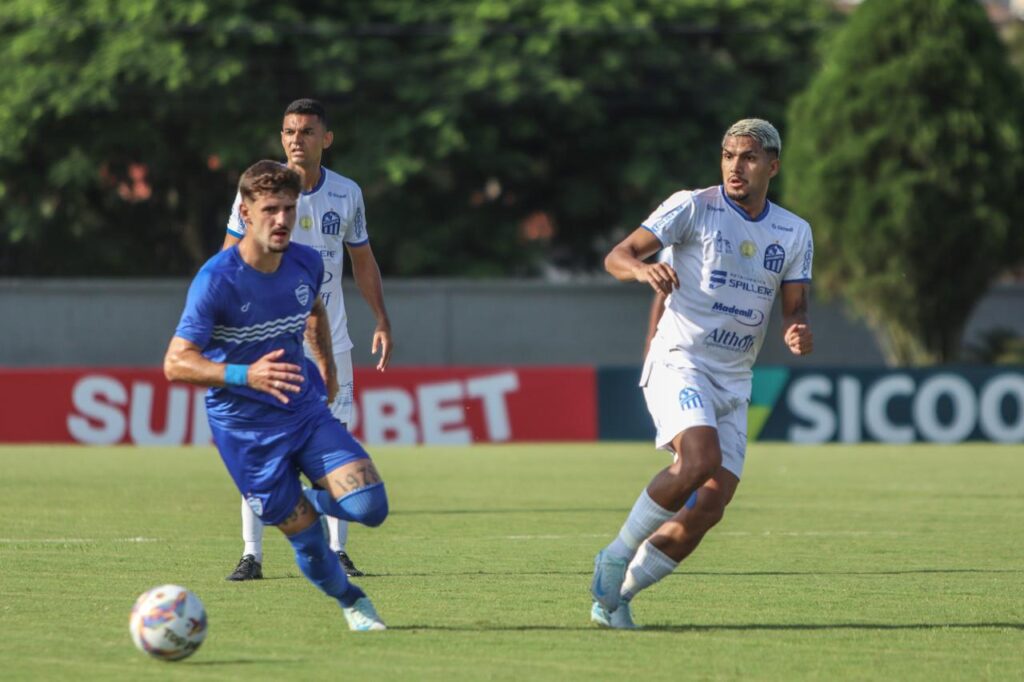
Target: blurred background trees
pixel 523 137
pixel 490 137
pixel 909 164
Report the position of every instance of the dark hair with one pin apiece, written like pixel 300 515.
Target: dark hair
pixel 268 177
pixel 308 106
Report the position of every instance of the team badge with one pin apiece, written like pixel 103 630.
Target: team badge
pixel 331 223
pixel 256 504
pixel 689 398
pixel 306 222
pixel 774 257
pixel 302 294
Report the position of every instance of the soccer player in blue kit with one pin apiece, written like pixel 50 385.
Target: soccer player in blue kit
pixel 331 218
pixel 731 253
pixel 247 313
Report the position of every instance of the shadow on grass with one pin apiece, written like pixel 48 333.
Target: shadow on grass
pixel 246 661
pixel 503 512
pixel 684 574
pixel 726 627
pixel 909 571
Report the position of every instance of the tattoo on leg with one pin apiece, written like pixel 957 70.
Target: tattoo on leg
pixel 362 476
pixel 300 509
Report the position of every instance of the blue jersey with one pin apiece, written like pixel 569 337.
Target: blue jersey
pixel 237 314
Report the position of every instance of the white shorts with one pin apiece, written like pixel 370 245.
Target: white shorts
pixel 341 408
pixel 679 398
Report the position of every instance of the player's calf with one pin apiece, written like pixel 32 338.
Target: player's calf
pixel 314 556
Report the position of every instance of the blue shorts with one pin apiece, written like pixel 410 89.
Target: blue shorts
pixel 265 463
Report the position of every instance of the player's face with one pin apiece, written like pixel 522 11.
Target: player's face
pixel 746 169
pixel 269 219
pixel 304 139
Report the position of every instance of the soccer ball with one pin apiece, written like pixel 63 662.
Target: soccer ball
pixel 168 622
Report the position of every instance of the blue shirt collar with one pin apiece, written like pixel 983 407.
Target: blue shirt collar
pixel 739 209
pixel 319 183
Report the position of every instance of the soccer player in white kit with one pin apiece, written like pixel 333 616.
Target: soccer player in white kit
pixel 330 215
pixel 732 251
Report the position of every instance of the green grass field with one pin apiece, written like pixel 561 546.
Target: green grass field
pixel 868 563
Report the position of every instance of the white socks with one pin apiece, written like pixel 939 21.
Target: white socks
pixel 252 532
pixel 648 567
pixel 645 518
pixel 338 530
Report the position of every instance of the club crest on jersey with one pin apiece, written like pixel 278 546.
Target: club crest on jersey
pixel 774 257
pixel 256 504
pixel 302 294
pixel 689 398
pixel 331 223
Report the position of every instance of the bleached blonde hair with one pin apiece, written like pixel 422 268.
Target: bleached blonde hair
pixel 759 129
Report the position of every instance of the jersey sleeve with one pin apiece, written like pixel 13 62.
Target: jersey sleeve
pixel 800 266
pixel 672 222
pixel 196 324
pixel 355 233
pixel 236 226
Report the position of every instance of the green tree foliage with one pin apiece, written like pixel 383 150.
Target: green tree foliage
pixel 489 136
pixel 118 117
pixel 906 154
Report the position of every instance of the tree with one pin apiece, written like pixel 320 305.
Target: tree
pixel 906 155
pixel 121 121
pixel 476 118
pixel 490 136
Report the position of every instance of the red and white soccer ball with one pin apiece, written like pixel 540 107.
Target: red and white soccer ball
pixel 168 622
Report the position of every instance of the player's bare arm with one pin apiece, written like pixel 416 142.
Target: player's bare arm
pixel 229 241
pixel 184 361
pixel 367 275
pixel 654 317
pixel 795 321
pixel 318 340
pixel 626 263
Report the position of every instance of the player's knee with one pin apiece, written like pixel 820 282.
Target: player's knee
pixel 368 506
pixel 698 465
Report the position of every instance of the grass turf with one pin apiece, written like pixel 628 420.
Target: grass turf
pixel 865 562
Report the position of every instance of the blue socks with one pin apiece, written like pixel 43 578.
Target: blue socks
pixel 321 566
pixel 368 506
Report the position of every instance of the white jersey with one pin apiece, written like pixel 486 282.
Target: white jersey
pixel 730 268
pixel 328 216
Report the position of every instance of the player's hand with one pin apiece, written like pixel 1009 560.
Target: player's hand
pixel 799 339
pixel 660 276
pixel 382 341
pixel 276 378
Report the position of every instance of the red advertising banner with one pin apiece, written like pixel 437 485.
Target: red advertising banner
pixel 450 405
